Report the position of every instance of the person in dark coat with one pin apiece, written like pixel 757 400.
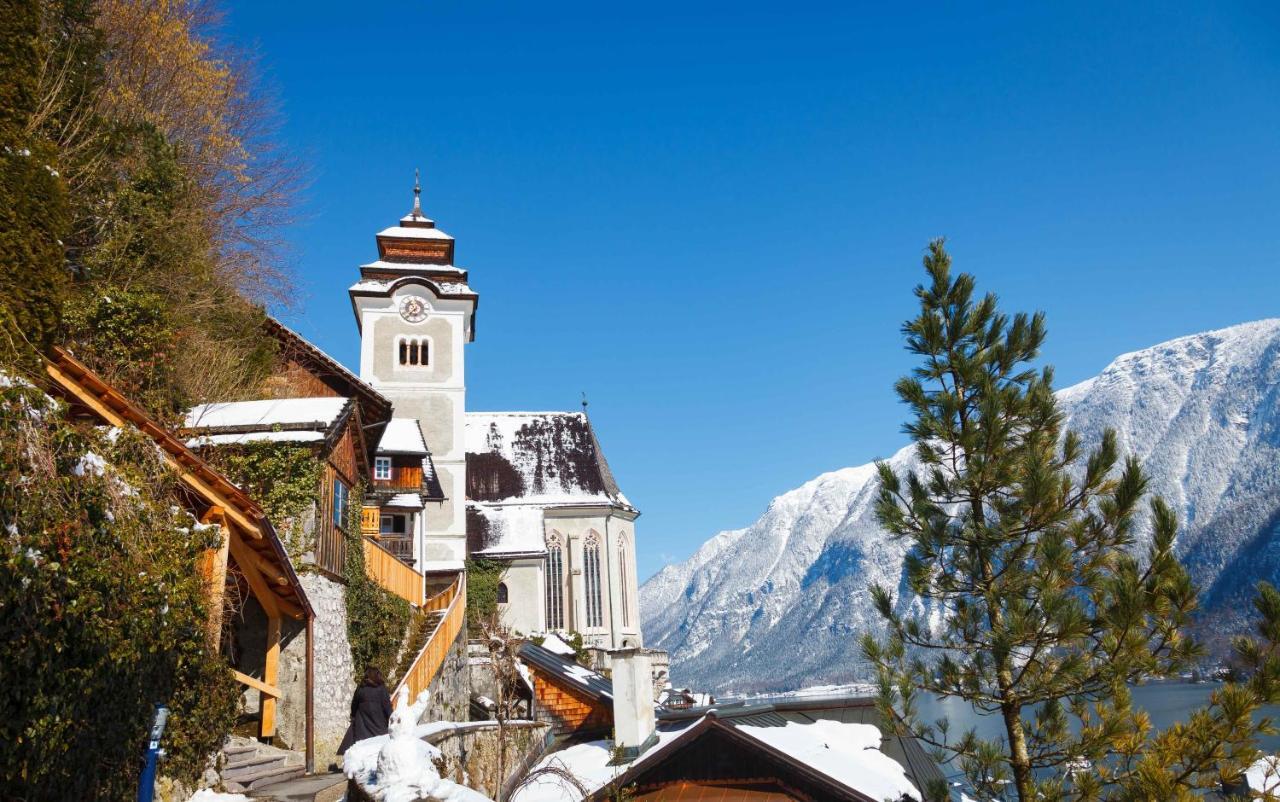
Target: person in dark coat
pixel 370 709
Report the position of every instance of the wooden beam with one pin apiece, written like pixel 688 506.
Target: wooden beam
pixel 257 684
pixel 270 602
pixel 270 672
pixel 215 574
pixel 268 570
pixel 108 414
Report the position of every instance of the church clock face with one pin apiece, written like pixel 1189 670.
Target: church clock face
pixel 413 310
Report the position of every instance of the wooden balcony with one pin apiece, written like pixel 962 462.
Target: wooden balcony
pixel 450 608
pixel 370 520
pixel 385 568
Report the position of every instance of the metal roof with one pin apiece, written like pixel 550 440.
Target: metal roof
pixel 567 674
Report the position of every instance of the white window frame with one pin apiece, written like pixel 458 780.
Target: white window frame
pixel 379 463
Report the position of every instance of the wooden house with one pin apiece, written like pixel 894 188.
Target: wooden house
pixel 613 742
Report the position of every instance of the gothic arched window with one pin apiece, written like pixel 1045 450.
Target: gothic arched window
pixel 623 581
pixel 591 572
pixel 555 582
pixel 503 593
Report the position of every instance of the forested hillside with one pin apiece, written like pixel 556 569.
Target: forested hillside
pixel 140 195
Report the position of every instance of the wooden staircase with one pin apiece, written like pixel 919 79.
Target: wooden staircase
pixel 444 615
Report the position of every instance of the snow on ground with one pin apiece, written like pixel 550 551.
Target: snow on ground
pixel 210 795
pixel 1264 775
pixel 848 753
pixel 588 762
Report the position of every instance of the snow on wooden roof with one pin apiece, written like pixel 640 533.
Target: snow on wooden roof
pixel 403 436
pixel 404 501
pixel 837 739
pixel 567 674
pixel 414 232
pixel 236 438
pixel 296 413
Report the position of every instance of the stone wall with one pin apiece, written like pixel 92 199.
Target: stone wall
pixel 334 673
pixel 451 689
pixel 471 752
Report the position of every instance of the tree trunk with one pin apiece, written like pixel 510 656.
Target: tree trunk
pixel 1019 762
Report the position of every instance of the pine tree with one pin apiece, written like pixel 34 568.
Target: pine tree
pixel 1036 603
pixel 34 212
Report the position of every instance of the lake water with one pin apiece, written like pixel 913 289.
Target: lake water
pixel 1165 702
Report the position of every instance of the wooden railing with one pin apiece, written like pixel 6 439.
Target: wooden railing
pixel 453 602
pixel 370 520
pixel 392 575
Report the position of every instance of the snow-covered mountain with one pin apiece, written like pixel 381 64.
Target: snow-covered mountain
pixel 782 603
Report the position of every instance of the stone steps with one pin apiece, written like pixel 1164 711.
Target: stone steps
pixel 248 765
pixel 328 787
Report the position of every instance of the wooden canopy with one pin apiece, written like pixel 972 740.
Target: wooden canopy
pixel 247 536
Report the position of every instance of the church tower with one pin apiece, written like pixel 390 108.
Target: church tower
pixel 416 314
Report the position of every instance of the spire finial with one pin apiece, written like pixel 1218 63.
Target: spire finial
pixel 417 194
pixel 584 402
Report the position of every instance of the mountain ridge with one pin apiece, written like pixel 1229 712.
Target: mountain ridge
pixel 780 603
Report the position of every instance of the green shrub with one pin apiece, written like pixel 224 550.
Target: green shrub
pixel 284 479
pixel 377 621
pixel 102 611
pixel 483 577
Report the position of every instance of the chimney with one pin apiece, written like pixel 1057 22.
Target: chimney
pixel 633 717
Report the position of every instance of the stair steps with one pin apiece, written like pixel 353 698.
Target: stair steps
pixel 248 765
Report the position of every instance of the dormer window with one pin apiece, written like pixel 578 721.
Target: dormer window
pixel 382 468
pixel 415 351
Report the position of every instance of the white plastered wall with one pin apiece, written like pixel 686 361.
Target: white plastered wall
pixel 435 395
pixel 573 525
pixel 524 613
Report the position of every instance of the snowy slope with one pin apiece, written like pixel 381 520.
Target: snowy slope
pixel 781 604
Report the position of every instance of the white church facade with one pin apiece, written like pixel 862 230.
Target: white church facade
pixel 530 490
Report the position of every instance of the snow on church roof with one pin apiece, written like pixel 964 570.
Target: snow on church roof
pixel 543 458
pixel 381 285
pixel 519 464
pixel 403 436
pixel 505 530
pixel 416 232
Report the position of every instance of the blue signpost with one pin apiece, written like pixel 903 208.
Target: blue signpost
pixel 147 787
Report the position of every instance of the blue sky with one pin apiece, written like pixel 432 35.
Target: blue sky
pixel 710 217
